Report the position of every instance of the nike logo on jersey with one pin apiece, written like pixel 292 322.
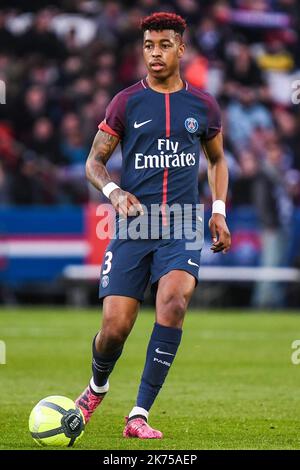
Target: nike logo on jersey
pixel 193 264
pixel 140 124
pixel 157 350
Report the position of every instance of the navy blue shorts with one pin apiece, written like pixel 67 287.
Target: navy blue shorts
pixel 128 265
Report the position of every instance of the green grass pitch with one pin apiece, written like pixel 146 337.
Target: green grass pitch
pixel 232 386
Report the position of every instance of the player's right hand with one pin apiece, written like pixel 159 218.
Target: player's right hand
pixel 125 203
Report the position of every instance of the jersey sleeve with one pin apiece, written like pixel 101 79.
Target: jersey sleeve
pixel 214 124
pixel 114 121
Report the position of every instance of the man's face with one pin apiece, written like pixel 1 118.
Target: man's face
pixel 162 51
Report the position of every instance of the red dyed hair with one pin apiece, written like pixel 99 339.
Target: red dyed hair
pixel 160 21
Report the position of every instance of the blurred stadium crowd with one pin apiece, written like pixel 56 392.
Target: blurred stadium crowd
pixel 63 63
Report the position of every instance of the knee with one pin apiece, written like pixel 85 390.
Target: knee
pixel 112 338
pixel 172 309
pixel 177 305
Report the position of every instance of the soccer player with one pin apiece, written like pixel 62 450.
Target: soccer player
pixel 161 122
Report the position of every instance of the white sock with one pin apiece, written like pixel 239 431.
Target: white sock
pixel 97 389
pixel 136 410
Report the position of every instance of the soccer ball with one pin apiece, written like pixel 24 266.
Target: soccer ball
pixel 56 421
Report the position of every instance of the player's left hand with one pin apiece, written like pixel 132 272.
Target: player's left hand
pixel 219 233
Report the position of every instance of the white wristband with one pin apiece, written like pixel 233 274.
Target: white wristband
pixel 219 207
pixel 108 188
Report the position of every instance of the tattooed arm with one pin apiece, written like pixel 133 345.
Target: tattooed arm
pixel 103 146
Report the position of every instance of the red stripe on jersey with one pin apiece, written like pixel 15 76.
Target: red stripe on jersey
pixel 166 171
pixel 167 102
pixel 164 201
pixel 105 128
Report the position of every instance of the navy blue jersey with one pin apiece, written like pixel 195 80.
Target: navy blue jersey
pixel 160 136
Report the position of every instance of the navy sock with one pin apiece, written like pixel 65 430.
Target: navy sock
pixel 103 364
pixel 161 352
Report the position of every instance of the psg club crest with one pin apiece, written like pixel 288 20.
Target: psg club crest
pixel 191 125
pixel 105 281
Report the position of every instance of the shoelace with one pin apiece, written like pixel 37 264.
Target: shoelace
pixel 85 399
pixel 138 426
